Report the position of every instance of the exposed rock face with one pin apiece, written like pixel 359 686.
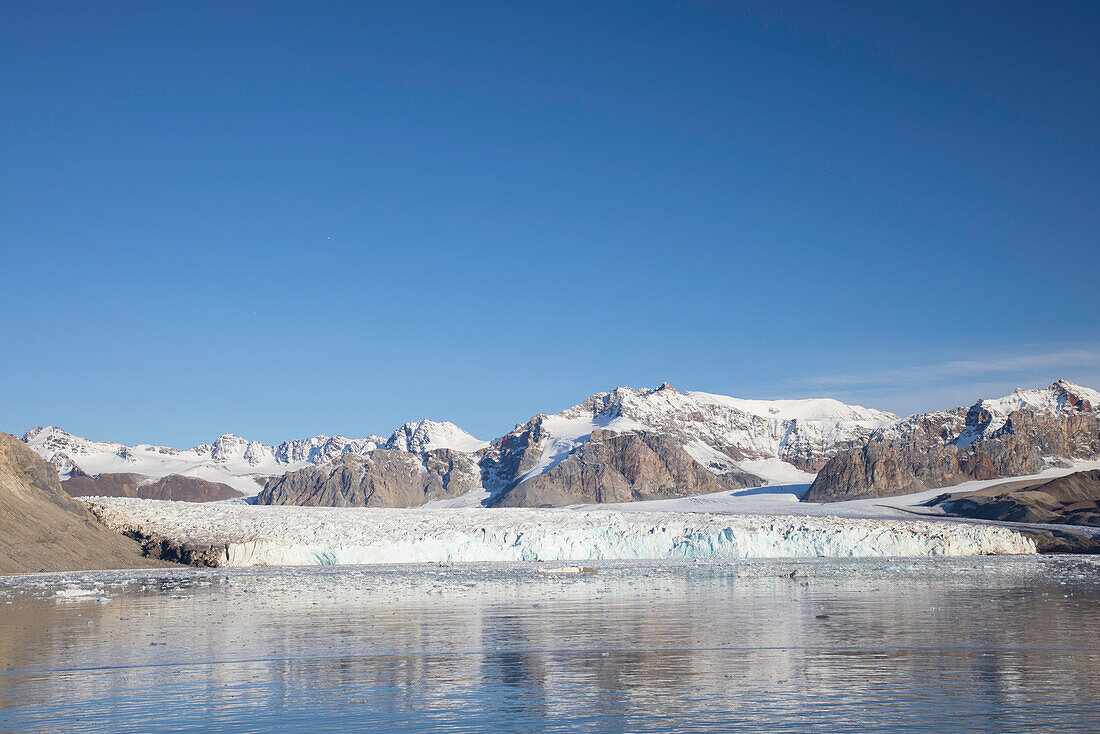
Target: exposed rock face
pixel 43 529
pixel 511 457
pixel 622 467
pixel 1009 437
pixel 172 487
pixel 380 478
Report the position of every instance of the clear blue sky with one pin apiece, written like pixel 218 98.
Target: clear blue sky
pixel 285 219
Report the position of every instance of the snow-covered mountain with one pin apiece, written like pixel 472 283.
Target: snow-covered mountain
pixel 231 459
pixel 423 436
pixel 986 417
pixel 778 440
pixel 741 442
pixel 964 425
pixel 1021 433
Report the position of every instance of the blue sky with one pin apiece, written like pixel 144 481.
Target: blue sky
pixel 288 219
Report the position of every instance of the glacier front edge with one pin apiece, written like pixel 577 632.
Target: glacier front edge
pixel 249 535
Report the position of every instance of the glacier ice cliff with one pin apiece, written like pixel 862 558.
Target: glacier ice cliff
pixel 254 535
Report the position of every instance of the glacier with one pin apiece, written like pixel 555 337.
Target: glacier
pixel 251 535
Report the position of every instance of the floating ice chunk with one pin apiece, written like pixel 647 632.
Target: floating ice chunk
pixel 75 593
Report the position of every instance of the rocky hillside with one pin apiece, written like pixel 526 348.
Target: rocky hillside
pixel 623 467
pixel 43 529
pixel 172 487
pixel 1072 499
pixel 1019 434
pixel 380 478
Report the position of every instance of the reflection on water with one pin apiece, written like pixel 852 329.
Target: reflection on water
pixel 987 644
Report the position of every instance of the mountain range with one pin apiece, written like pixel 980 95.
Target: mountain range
pixel 615 446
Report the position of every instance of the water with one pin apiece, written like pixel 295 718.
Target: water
pixel 999 644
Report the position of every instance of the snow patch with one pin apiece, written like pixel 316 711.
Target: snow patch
pixel 711 459
pixel 774 471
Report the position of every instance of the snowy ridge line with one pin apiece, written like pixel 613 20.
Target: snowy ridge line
pixel 771 433
pixel 741 443
pixel 232 460
pixel 246 535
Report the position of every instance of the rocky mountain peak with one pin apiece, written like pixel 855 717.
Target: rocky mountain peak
pixel 229 447
pixel 1075 397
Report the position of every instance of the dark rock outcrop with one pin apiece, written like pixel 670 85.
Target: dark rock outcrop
pixel 379 478
pixel 43 529
pixel 1072 540
pixel 174 551
pixel 172 487
pixel 946 448
pixel 513 455
pixel 621 467
pixel 1073 499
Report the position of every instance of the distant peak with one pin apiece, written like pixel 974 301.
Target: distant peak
pixel 425 423
pixel 426 435
pixel 35 433
pixel 40 434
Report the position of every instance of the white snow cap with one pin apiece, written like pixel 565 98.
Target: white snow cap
pixel 1062 396
pixel 426 435
pixel 810 409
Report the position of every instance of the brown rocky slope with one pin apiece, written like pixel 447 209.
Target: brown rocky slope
pixel 1073 499
pixel 622 467
pixel 380 478
pixel 172 487
pixel 43 529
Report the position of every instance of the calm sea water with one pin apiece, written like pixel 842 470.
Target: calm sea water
pixel 936 645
